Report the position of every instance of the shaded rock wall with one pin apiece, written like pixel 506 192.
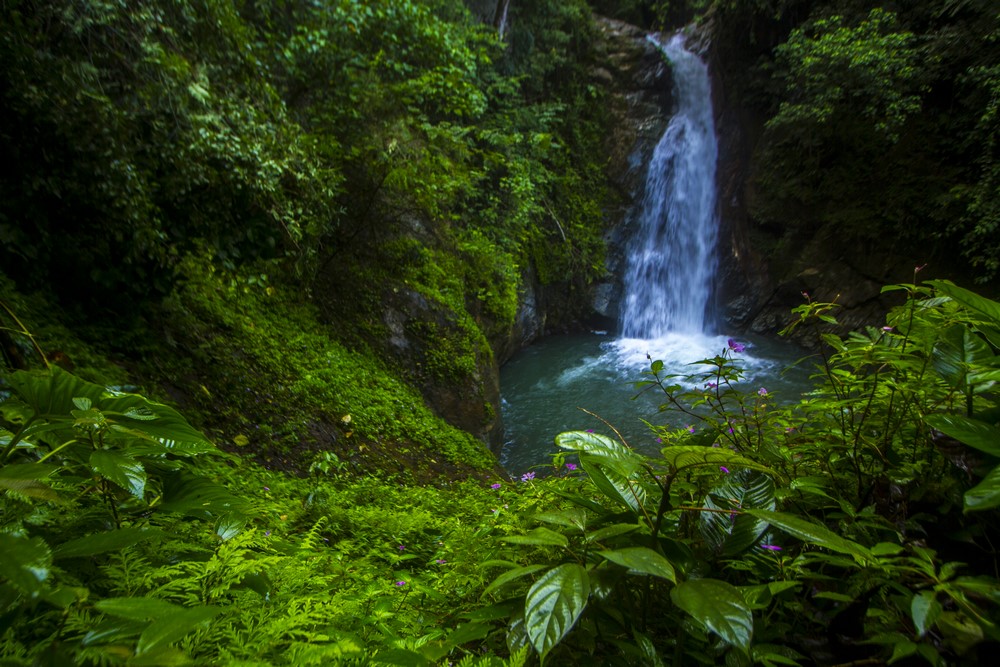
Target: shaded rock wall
pixel 637 79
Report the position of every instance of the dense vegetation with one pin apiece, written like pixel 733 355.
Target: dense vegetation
pixel 210 455
pixel 879 128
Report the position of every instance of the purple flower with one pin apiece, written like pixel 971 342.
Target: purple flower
pixel 724 469
pixel 570 466
pixel 887 329
pixel 762 392
pixel 267 488
pixel 495 485
pixel 734 346
pixel 267 533
pixel 400 583
pixel 730 429
pixel 690 428
pixel 527 476
pixel 660 440
pixel 401 547
pixel 711 385
pixel 770 547
pixel 440 561
pixel 590 430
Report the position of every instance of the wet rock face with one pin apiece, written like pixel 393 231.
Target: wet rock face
pixel 637 79
pixel 418 330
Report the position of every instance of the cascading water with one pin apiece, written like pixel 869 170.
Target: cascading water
pixel 671 265
pixel 666 307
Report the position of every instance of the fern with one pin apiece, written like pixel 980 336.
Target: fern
pixel 312 540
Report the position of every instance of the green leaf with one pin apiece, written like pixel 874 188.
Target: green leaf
pixel 123 470
pixel 717 606
pixel 112 540
pixel 553 605
pixel 136 608
pixel 680 457
pixel 986 494
pixel 972 432
pixel 958 350
pixel 613 530
pixel 540 536
pixel 168 628
pixel 991 309
pixel 644 560
pixel 925 610
pixel 813 533
pixel 192 495
pixel 595 444
pixel 621 488
pixel 512 575
pixel 23 478
pixel 53 394
pixel 571 518
pixel 25 562
pixel 730 534
pixel 155 420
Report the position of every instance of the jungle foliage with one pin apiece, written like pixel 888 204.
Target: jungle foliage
pixel 185 175
pixel 853 524
pixel 880 123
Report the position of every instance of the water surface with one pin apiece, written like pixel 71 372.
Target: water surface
pixel 545 386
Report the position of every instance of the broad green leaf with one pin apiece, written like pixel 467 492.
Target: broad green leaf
pixel 553 605
pixel 123 470
pixel 613 530
pixel 571 518
pixel 25 562
pixel 618 487
pixel 813 533
pixel 644 560
pixel 972 432
pixel 717 606
pixel 196 496
pixel 23 478
pixel 729 534
pixel 512 575
pixel 925 610
pixel 957 351
pixel 136 608
pixel 596 445
pixel 680 457
pixel 112 629
pixel 540 536
pixel 112 540
pixel 991 309
pixel 155 420
pixel 52 394
pixel 986 494
pixel 170 627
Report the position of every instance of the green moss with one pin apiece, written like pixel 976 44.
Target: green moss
pixel 267 367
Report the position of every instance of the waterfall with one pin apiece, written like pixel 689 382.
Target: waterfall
pixel 671 259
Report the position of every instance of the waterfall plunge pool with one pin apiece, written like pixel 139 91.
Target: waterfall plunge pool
pixel 544 387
